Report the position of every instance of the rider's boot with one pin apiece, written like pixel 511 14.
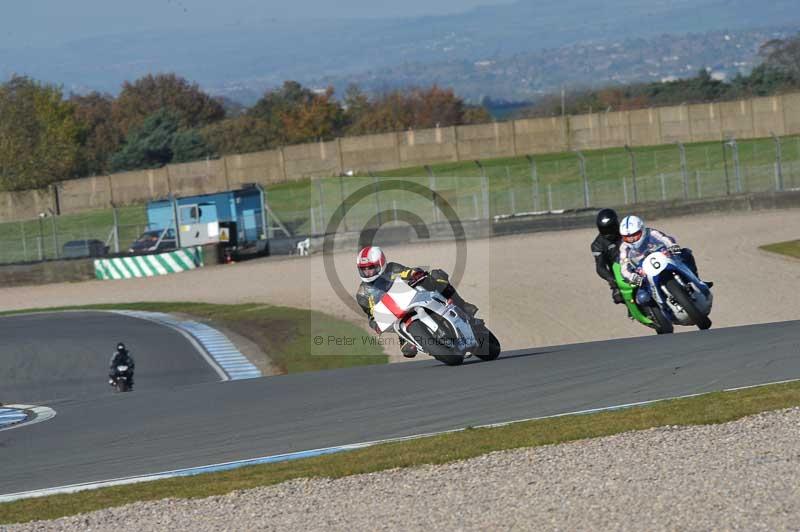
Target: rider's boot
pixel 409 350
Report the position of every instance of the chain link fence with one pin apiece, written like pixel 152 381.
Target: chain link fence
pixel 465 191
pixel 547 183
pixel 51 237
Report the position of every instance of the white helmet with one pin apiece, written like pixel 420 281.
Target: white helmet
pixel 371 263
pixel 632 230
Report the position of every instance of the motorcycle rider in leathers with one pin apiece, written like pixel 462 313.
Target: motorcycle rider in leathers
pixel 605 249
pixel 639 241
pixel 121 357
pixel 377 276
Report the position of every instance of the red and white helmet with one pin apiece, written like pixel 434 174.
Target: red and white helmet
pixel 632 230
pixel 371 263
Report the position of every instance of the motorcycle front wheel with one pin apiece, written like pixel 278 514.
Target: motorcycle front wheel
pixel 679 293
pixel 437 347
pixel 660 322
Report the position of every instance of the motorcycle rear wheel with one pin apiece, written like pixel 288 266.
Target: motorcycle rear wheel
pixel 491 349
pixel 702 321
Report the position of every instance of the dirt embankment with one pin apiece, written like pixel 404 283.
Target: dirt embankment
pixel 534 290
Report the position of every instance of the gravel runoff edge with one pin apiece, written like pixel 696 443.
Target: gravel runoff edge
pixel 742 475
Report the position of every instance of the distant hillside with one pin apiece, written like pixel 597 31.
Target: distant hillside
pixel 245 60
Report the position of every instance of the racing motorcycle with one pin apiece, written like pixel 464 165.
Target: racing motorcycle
pixel 122 378
pixel 671 294
pixel 434 325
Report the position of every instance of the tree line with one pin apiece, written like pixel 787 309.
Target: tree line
pixel 778 72
pixel 46 136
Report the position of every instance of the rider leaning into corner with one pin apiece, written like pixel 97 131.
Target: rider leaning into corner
pixel 121 357
pixel 605 249
pixel 639 241
pixel 377 276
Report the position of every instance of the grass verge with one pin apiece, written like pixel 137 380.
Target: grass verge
pixel 790 248
pixel 719 407
pixel 284 334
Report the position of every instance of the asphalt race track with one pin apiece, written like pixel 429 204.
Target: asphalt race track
pixel 48 357
pixel 158 430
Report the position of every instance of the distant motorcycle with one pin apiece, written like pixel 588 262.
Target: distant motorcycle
pixel 434 325
pixel 122 379
pixel 670 294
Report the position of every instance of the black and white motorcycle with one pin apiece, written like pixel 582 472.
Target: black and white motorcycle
pixel 122 380
pixel 433 324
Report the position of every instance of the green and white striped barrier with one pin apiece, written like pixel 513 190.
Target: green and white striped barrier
pixel 149 265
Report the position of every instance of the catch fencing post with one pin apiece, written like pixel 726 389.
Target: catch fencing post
pixel 24 242
pixel 736 167
pixel 341 200
pixel 484 190
pixel 725 162
pixel 534 182
pixel 778 162
pixel 582 166
pixel 684 170
pixel 663 187
pixel 510 190
pixel 116 228
pixel 633 173
pixel 432 183
pixel 321 204
pixel 550 197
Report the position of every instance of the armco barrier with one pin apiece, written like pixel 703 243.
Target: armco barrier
pixel 149 265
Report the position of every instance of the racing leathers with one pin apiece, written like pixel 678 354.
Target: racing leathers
pixel 605 249
pixel 370 293
pixel 122 358
pixel 631 257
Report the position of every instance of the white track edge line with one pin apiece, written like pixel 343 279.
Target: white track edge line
pixel 224 466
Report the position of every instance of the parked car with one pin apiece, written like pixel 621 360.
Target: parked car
pixel 84 248
pixel 154 241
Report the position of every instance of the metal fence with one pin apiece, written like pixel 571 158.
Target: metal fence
pixel 52 237
pixel 538 184
pixel 462 191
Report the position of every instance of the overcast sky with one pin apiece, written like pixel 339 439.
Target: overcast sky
pixel 49 22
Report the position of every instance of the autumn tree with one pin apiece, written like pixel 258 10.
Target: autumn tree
pixel 99 137
pixel 140 99
pixel 39 135
pixel 415 108
pixel 297 114
pixel 242 134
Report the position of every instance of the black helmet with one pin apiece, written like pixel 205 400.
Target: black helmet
pixel 608 223
pixel 121 348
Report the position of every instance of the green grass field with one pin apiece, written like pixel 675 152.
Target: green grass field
pixel 790 248
pixel 706 409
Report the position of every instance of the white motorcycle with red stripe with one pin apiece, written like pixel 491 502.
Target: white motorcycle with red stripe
pixel 435 325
